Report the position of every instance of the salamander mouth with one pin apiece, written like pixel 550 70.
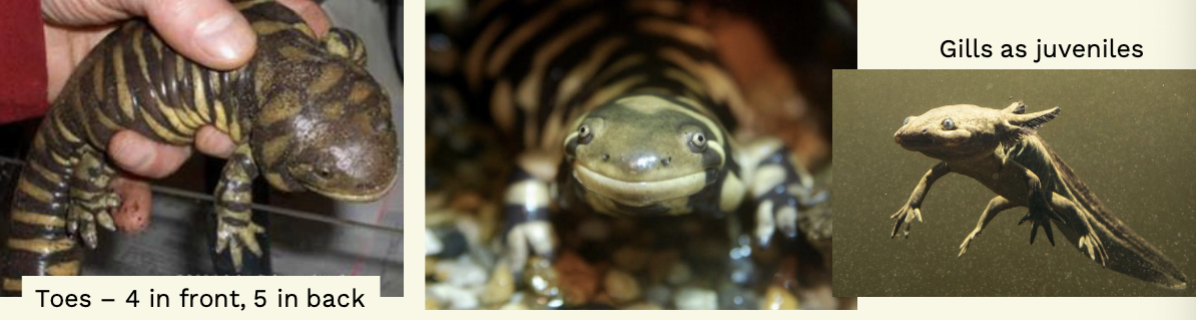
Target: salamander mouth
pixel 639 193
pixel 366 196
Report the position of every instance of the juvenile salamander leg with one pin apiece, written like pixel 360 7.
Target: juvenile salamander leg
pixel 913 207
pixel 1040 209
pixel 1088 238
pixel 780 188
pixel 995 206
pixel 91 196
pixel 234 199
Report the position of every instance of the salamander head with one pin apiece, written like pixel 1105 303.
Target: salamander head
pixel 325 125
pixel 644 154
pixel 967 131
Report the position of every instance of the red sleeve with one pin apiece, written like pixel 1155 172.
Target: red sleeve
pixel 22 61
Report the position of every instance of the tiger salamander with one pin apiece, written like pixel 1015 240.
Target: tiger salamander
pixel 1001 150
pixel 304 113
pixel 622 108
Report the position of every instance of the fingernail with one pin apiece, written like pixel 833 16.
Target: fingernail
pixel 217 37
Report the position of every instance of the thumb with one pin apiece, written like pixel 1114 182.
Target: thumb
pixel 210 32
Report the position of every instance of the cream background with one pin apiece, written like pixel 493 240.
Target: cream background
pixel 893 35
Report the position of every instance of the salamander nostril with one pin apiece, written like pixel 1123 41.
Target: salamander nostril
pixel 605 157
pixel 666 161
pixel 324 172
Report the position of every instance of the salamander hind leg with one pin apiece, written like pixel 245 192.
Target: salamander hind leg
pixel 235 231
pixel 1088 242
pixel 91 196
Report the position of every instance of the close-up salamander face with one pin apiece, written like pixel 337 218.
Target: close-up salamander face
pixel 334 137
pixel 950 132
pixel 644 154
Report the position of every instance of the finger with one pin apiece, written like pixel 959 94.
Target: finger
pixel 145 157
pixel 210 32
pixel 133 216
pixel 211 141
pixel 311 13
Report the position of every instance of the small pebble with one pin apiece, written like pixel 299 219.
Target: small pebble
pixel 462 272
pixel 694 298
pixel 429 266
pixel 777 298
pixel 679 274
pixel 579 280
pixel 621 286
pixel 453 297
pixel 432 244
pixel 733 297
pixel 630 258
pixel 500 287
pixel 545 283
pixel 818 298
pixel 659 294
pixel 643 306
pixel 453 244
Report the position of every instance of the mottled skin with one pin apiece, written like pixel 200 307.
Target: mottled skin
pixel 303 112
pixel 1000 149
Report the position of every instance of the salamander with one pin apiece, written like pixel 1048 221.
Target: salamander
pixel 622 108
pixel 1001 149
pixel 303 113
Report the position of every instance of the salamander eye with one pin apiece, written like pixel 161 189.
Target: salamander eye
pixel 698 141
pixel 948 124
pixel 906 121
pixel 585 134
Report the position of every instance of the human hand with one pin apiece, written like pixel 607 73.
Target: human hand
pixel 211 32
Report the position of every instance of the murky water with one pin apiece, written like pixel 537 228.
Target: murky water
pixel 1130 135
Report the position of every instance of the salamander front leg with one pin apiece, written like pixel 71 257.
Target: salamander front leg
pixel 234 199
pixel 780 188
pixel 913 207
pixel 995 206
pixel 529 236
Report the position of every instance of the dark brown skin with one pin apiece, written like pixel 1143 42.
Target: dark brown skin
pixel 1000 149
